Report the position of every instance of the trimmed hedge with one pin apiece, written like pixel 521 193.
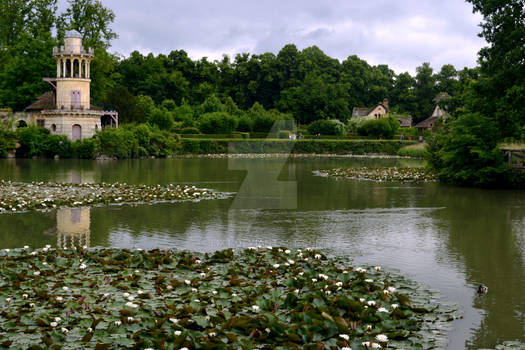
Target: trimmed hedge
pixel 235 135
pixel 207 146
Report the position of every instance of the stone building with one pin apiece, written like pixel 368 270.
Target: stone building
pixel 437 114
pixel 380 110
pixel 67 110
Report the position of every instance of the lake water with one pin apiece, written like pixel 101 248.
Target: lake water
pixel 450 238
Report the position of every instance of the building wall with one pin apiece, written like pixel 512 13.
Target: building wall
pixel 88 122
pixel 64 88
pixel 379 111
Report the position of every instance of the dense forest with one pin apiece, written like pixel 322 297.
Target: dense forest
pixel 307 84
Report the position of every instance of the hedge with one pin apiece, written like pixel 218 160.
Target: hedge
pixel 208 146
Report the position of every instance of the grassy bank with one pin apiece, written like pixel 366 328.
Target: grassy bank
pixel 255 298
pixel 208 146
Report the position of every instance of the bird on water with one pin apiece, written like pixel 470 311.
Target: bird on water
pixel 483 289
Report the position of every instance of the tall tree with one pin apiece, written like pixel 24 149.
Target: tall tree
pixel 425 91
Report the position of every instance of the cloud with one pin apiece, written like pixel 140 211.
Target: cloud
pixel 402 34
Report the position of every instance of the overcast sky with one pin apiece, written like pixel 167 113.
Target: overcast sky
pixel 401 33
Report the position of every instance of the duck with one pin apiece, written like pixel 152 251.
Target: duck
pixel 483 289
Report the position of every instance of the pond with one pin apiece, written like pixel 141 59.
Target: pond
pixel 450 238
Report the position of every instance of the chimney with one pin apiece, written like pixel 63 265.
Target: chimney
pixel 385 102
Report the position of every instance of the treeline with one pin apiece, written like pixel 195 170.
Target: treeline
pixel 307 84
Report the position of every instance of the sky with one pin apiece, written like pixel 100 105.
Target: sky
pixel 401 33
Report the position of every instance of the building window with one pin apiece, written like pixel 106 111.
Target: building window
pixel 53 127
pixel 41 122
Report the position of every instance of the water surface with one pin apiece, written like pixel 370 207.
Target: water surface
pixel 452 239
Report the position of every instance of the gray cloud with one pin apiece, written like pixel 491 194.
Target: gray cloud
pixel 402 34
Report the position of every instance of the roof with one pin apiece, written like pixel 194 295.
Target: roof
pixel 404 120
pixel 73 34
pixel 46 100
pixel 360 112
pixel 441 96
pixel 427 123
pixel 364 111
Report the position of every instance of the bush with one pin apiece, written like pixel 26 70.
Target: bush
pixel 7 142
pixel 31 140
pixel 56 145
pixel 161 118
pixel 327 127
pixel 245 124
pixel 419 150
pixel 284 134
pixel 217 123
pixel 85 148
pixel 189 131
pixel 119 143
pixel 380 128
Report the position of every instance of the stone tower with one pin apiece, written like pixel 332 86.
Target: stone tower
pixel 67 110
pixel 73 73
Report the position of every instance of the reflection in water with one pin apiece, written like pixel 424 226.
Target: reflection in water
pixel 73 227
pixel 452 239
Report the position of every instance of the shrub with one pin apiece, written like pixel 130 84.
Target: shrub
pixel 31 140
pixel 217 123
pixel 161 118
pixel 284 134
pixel 85 148
pixel 119 143
pixel 7 142
pixel 380 128
pixel 56 145
pixel 327 127
pixel 189 131
pixel 245 124
pixel 417 150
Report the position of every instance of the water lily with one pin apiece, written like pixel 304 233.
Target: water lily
pixel 90 329
pixel 371 303
pixel 132 305
pixel 382 309
pixel 371 345
pixel 188 282
pixel 53 324
pixel 344 336
pixel 391 289
pixel 177 333
pixel 255 307
pixel 276 266
pixel 174 320
pixel 377 268
pixel 59 298
pixel 287 251
pixel 36 273
pixel 368 280
pixel 118 323
pixel 382 338
pixel 395 306
pixel 317 256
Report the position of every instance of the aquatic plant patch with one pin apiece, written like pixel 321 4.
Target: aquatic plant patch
pixel 256 298
pixel 19 196
pixel 383 174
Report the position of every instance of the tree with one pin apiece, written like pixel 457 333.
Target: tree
pixel 425 91
pixel 91 19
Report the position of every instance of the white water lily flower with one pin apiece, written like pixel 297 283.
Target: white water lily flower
pixel 130 319
pixel 137 271
pixel 131 298
pixel 395 306
pixel 267 330
pixel 197 301
pixel 32 305
pixel 345 271
pixel 344 336
pixel 139 292
pixel 126 295
pixel 8 300
pixel 360 269
pixel 286 264
pixel 36 273
pixel 48 246
pixel 7 250
pixel 377 268
pixel 45 249
pixel 362 300
pixel 382 338
pixel 391 289
pixel 371 303
pixel 64 330
pixel 317 256
pixel 59 298
pixel 174 320
pixel 177 333
pixel 184 348
pixel 58 319
pixel 371 345
pixel 188 282
pixel 287 251
pixel 118 323
pixel 169 286
pixel 346 348
pixel 214 292
pixel 276 266
pixel 90 329
pixel 382 309
pixel 234 295
pixel 33 253
pixel 130 304
pixel 269 247
pixel 212 334
pixel 53 324
pixel 198 261
pixel 314 280
pixel 368 327
pixel 82 267
pixel 194 290
pixel 301 273
pixel 26 247
pixel 255 308
pixel 202 274
pixel 65 288
pixel 368 280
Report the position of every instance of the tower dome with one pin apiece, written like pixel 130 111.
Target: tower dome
pixel 73 34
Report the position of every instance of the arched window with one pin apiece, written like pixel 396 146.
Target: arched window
pixel 53 127
pixel 21 124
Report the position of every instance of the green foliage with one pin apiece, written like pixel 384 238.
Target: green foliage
pixel 382 128
pixel 58 145
pixel 217 123
pixel 31 140
pixel 85 148
pixel 162 118
pixel 327 127
pixel 419 150
pixel 190 130
pixel 7 141
pixel 119 143
pixel 466 152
